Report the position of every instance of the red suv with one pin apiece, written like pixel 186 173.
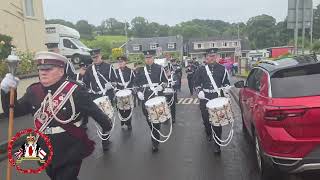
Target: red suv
pixel 280 106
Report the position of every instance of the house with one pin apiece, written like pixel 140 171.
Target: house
pixel 159 46
pixel 228 47
pixel 23 20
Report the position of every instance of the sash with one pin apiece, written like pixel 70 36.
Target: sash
pixel 95 75
pixel 148 79
pixel 212 80
pixel 44 115
pixel 125 84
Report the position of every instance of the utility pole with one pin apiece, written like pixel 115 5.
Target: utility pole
pixel 125 30
pixel 296 30
pixel 303 25
pixel 311 28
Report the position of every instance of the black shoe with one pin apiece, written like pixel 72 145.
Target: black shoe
pixel 155 149
pixel 173 121
pixel 210 138
pixel 106 145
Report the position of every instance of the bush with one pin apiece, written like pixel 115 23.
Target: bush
pixel 27 64
pixel 136 58
pixel 316 47
pixel 5 46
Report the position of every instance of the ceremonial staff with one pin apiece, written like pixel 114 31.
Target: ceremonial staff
pixel 12 61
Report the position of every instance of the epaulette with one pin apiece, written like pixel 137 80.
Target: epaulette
pixel 77 83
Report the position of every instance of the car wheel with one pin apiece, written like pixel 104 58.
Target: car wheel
pixel 76 59
pixel 266 171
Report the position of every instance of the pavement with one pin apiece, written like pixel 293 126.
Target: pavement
pixel 186 156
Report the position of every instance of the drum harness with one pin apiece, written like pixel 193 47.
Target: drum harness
pixel 49 104
pixel 103 91
pixel 152 87
pixel 221 142
pixel 125 85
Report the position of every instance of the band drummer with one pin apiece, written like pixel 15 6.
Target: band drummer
pixel 151 80
pixel 207 92
pixel 100 78
pixel 125 80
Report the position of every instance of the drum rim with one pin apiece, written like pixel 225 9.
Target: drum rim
pixel 227 100
pixel 123 90
pixel 158 97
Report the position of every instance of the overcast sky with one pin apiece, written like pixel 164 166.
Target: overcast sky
pixel 164 11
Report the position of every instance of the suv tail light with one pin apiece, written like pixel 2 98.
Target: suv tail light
pixel 281 113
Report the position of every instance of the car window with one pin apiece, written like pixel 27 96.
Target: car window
pixel 254 79
pixel 68 44
pixel 302 81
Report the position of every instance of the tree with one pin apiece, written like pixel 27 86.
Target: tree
pixel 139 27
pixel 262 31
pixel 316 47
pixel 316 23
pixel 85 29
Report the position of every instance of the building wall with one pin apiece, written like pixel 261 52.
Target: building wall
pixel 28 33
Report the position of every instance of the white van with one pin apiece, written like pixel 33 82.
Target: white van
pixel 69 42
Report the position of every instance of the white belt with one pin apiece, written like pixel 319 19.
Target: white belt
pixel 57 130
pixel 209 90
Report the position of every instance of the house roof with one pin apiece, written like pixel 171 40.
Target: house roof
pixel 162 41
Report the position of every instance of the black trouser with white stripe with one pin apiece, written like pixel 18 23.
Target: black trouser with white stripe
pixel 205 116
pixel 125 114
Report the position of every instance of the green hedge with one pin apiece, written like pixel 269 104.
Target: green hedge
pixel 5 46
pixel 26 65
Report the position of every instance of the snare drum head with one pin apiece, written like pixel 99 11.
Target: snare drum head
pixel 217 102
pixel 101 99
pixel 123 93
pixel 155 101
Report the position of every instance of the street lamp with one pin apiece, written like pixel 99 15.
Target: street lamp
pixel 12 61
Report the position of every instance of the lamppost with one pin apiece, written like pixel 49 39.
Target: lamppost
pixel 12 61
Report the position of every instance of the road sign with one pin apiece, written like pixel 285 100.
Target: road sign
pixel 305 11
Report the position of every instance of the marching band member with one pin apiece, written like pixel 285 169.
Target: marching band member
pixel 151 74
pixel 61 120
pixel 99 79
pixel 125 79
pixel 175 72
pixel 190 70
pixel 206 90
pixel 83 68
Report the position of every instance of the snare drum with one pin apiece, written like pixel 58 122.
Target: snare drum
pixel 220 112
pixel 158 109
pixel 124 99
pixel 105 105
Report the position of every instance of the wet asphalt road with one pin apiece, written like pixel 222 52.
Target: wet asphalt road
pixel 186 156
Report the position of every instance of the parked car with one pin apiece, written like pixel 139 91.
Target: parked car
pixel 280 106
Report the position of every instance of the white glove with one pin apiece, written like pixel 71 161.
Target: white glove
pixel 9 82
pixel 108 86
pixel 201 95
pixel 159 88
pixel 140 96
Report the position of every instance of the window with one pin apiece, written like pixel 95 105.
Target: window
pixel 137 47
pixel 154 46
pixel 68 44
pixel 296 82
pixel 253 81
pixel 199 46
pixel 225 44
pixel 172 46
pixel 235 43
pixel 29 10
